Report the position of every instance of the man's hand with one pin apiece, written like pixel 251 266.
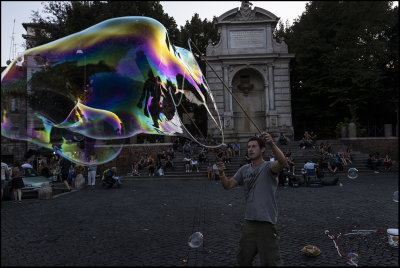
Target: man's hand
pixel 226 182
pixel 276 166
pixel 221 167
pixel 267 138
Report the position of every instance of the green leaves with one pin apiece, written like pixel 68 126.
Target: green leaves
pixel 68 17
pixel 200 32
pixel 346 55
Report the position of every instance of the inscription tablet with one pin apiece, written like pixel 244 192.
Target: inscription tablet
pixel 247 38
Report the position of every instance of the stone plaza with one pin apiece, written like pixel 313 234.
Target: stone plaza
pixel 148 222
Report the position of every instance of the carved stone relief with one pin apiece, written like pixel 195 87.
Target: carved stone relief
pixel 245 12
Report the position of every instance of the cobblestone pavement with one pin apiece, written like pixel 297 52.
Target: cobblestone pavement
pixel 147 223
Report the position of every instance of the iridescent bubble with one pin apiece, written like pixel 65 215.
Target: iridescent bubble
pixel 396 196
pixel 352 173
pixel 88 92
pixel 195 240
pixel 352 259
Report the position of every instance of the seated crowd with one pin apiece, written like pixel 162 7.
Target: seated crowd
pixel 197 158
pixel 308 140
pixel 224 155
pixel 333 161
pixel 375 161
pixel 154 166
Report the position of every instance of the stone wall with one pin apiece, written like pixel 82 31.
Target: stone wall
pixel 123 162
pixel 12 150
pixel 373 144
pixel 247 49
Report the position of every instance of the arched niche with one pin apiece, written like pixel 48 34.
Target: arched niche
pixel 248 87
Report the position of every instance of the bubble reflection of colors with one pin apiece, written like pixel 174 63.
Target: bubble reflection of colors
pixel 85 93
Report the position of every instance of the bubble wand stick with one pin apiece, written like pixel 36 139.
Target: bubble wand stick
pixel 334 237
pixel 227 88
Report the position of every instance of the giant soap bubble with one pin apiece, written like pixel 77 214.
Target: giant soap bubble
pixel 88 92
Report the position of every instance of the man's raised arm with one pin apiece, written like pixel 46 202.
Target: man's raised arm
pixel 226 183
pixel 281 162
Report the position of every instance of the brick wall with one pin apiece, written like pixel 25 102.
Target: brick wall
pixel 371 145
pixel 130 153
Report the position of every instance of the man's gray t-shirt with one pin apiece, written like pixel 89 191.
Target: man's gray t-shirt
pixel 260 185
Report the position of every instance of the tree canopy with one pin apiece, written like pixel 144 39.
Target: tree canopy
pixel 346 54
pixel 345 66
pixel 68 17
pixel 200 32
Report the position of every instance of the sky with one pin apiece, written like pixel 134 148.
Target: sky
pixel 181 11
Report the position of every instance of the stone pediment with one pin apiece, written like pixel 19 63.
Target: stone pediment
pixel 236 15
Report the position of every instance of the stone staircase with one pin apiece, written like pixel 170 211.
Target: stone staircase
pixel 299 156
pixel 179 166
pixel 359 159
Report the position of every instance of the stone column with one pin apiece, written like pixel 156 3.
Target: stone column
pixel 343 132
pixel 352 130
pixel 272 118
pixel 388 130
pixel 269 39
pixel 224 37
pixel 226 93
pixel 228 113
pixel 266 91
pixel 230 98
pixel 271 87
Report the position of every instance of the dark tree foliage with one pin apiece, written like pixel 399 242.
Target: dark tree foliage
pixel 200 32
pixel 346 64
pixel 68 17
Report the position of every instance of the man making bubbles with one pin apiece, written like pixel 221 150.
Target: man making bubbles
pixel 260 180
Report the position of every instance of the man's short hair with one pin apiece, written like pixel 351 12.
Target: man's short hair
pixel 259 141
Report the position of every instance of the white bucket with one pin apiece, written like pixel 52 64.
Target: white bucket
pixel 393 237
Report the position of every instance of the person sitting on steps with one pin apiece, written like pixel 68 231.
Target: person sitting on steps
pixel 236 149
pixel 187 160
pixel 347 155
pixel 387 162
pixel 210 174
pixel 282 139
pixel 110 177
pixel 194 164
pixel 332 164
pixel 169 164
